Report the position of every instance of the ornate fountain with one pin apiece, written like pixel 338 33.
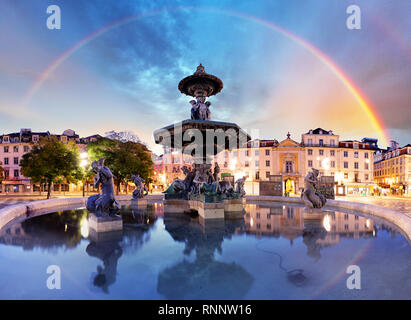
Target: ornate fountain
pixel 203 138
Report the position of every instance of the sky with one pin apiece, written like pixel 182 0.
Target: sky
pixel 277 60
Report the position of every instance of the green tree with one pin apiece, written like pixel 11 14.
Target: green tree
pixel 123 158
pixel 51 161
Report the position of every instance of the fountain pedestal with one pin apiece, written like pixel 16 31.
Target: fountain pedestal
pixel 105 224
pixel 208 210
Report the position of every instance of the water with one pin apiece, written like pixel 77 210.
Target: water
pixel 274 252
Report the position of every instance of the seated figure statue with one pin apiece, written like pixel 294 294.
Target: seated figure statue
pixel 103 204
pixel 310 194
pixel 140 191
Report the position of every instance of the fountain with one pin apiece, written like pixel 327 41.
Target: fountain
pixel 203 138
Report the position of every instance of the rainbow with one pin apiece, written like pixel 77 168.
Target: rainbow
pixel 333 67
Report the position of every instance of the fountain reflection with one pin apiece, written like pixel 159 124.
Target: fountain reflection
pixel 208 277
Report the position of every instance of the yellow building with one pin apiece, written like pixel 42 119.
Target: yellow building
pixel 392 171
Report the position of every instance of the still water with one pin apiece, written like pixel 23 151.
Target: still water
pixel 273 252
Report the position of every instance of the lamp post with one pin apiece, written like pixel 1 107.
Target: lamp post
pixel 84 164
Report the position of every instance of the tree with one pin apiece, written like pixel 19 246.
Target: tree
pixel 51 161
pixel 123 158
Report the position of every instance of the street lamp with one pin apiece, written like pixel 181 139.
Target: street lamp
pixel 84 164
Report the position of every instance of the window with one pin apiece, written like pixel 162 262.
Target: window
pixel 332 153
pixel 356 154
pixel 345 175
pixel 366 166
pixel 345 154
pixel 267 174
pixel 26 149
pixel 355 165
pixel 332 164
pixel 310 142
pixel 15 149
pixel 6 174
pixel 6 149
pixel 267 152
pixel 310 152
pixel 310 163
pixel 345 164
pixel 16 173
pixel 35 138
pixel 257 163
pixel 256 152
pixel 247 153
pixel 366 177
pixel 257 175
pixel 366 155
pixel 16 160
pixel 6 160
pixel 321 152
pixel 321 142
pixel 288 166
pixel 332 142
pixel 235 153
pixel 346 216
pixel 267 163
pixel 246 164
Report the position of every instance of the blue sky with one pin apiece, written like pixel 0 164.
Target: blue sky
pixel 126 79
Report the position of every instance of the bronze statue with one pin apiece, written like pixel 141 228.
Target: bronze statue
pixel 140 191
pixel 310 194
pixel 103 204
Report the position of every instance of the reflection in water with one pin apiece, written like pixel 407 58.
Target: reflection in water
pixel 207 277
pixel 106 247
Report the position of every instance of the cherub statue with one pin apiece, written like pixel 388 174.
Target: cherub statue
pixel 103 204
pixel 140 191
pixel 200 109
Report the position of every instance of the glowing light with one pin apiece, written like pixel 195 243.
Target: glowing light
pixel 326 223
pixel 83 155
pixel 251 222
pixel 83 163
pixel 239 175
pixel 233 164
pixel 325 163
pixel 84 228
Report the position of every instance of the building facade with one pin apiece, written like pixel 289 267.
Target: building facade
pixel 392 170
pixel 12 148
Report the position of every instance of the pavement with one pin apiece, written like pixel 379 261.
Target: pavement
pixel 396 203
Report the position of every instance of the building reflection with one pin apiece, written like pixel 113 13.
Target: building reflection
pixel 318 231
pixel 208 277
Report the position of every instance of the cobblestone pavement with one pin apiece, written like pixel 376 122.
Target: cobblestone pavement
pixel 402 205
